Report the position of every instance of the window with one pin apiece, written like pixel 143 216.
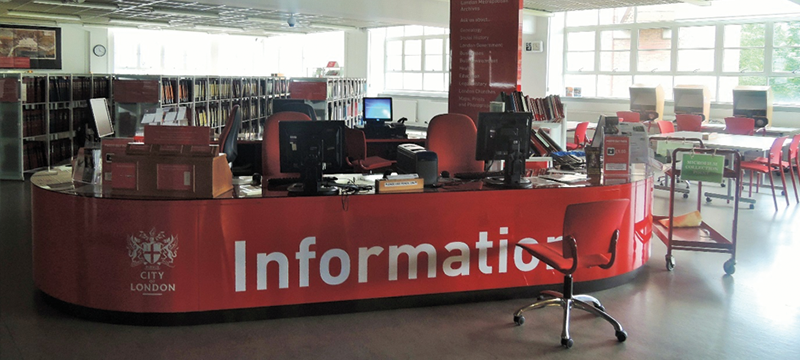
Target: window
pixel 721 46
pixel 417 58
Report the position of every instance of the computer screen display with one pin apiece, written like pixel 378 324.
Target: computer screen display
pixel 101 116
pixel 378 109
pixel 499 133
pixel 311 148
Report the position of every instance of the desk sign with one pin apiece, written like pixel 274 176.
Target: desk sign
pixel 616 161
pixel 702 167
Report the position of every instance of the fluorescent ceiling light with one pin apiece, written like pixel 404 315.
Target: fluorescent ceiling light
pixel 268 21
pixel 217 28
pixel 29 14
pixel 137 22
pixel 332 26
pixel 78 5
pixel 185 13
pixel 698 2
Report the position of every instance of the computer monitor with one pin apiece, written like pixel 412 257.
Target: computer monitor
pixel 377 110
pixel 505 136
pixel 311 148
pixel 101 116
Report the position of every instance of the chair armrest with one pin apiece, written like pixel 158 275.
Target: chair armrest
pixel 612 249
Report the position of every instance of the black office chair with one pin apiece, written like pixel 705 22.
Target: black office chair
pixel 301 108
pixel 227 140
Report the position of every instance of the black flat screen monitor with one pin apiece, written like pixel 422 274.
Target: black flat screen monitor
pixel 311 148
pixel 377 110
pixel 101 117
pixel 505 136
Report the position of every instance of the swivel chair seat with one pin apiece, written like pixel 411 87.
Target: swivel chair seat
pixel 589 240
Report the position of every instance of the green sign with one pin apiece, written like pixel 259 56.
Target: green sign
pixel 702 167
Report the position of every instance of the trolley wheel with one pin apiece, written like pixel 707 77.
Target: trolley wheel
pixel 670 262
pixel 729 266
pixel 685 195
pixel 621 335
pixel 567 343
pixel 519 320
pixel 752 206
pixel 708 199
pixel 783 192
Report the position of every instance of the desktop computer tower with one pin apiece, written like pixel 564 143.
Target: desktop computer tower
pixel 415 159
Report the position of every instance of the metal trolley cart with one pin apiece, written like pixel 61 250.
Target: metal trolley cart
pixel 683 140
pixel 703 237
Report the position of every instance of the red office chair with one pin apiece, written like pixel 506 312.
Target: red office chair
pixel 794 159
pixel 767 166
pixel 629 116
pixel 580 139
pixel 590 238
pixel 688 122
pixel 740 125
pixel 270 145
pixel 227 139
pixel 452 137
pixel 666 127
pixel 356 144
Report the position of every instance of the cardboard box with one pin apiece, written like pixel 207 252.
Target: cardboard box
pixel 180 177
pixel 177 135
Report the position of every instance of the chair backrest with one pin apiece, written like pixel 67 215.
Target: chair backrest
pixel 227 139
pixel 689 122
pixel 665 127
pixel 580 133
pixel 301 108
pixel 793 148
pixel 355 143
pixel 270 145
pixel 452 137
pixel 592 225
pixel 776 150
pixel 629 116
pixel 740 125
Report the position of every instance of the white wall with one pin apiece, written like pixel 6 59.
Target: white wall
pixel 356 55
pixel 534 64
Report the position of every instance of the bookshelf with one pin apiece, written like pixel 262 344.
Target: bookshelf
pixel 209 99
pixel 40 117
pixel 332 98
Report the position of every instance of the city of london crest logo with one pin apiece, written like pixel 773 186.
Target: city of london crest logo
pixel 152 249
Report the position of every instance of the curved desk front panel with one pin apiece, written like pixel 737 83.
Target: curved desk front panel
pixel 175 256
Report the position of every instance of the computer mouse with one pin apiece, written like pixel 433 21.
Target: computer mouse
pixel 256 179
pixel 446 174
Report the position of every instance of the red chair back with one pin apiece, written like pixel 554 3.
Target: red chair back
pixel 452 137
pixel 776 150
pixel 689 122
pixel 580 134
pixel 793 148
pixel 355 143
pixel 592 225
pixel 270 145
pixel 666 127
pixel 629 116
pixel 740 125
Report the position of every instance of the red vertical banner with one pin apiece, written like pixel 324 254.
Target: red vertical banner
pixel 486 53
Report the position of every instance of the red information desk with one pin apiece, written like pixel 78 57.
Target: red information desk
pixel 179 256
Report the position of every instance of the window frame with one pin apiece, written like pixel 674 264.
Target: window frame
pixel 444 52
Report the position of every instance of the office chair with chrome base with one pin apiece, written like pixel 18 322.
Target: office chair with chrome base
pixel 229 135
pixel 589 240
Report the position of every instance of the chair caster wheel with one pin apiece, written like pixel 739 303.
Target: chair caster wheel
pixel 519 320
pixel 540 298
pixel 670 262
pixel 722 185
pixel 752 206
pixel 729 267
pixel 685 196
pixel 567 343
pixel 708 199
pixel 621 335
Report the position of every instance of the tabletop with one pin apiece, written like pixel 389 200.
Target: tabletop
pixel 727 141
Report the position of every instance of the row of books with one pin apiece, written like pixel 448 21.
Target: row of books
pixel 81 88
pixel 34 156
pixel 33 121
pixel 172 93
pixel 548 108
pixel 34 89
pixel 59 89
pixel 344 88
pixel 59 120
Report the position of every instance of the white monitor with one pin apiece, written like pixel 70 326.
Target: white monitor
pixel 102 118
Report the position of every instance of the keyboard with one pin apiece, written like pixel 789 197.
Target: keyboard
pixel 477 175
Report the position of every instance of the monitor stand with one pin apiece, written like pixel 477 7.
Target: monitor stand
pixel 312 181
pixel 512 173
